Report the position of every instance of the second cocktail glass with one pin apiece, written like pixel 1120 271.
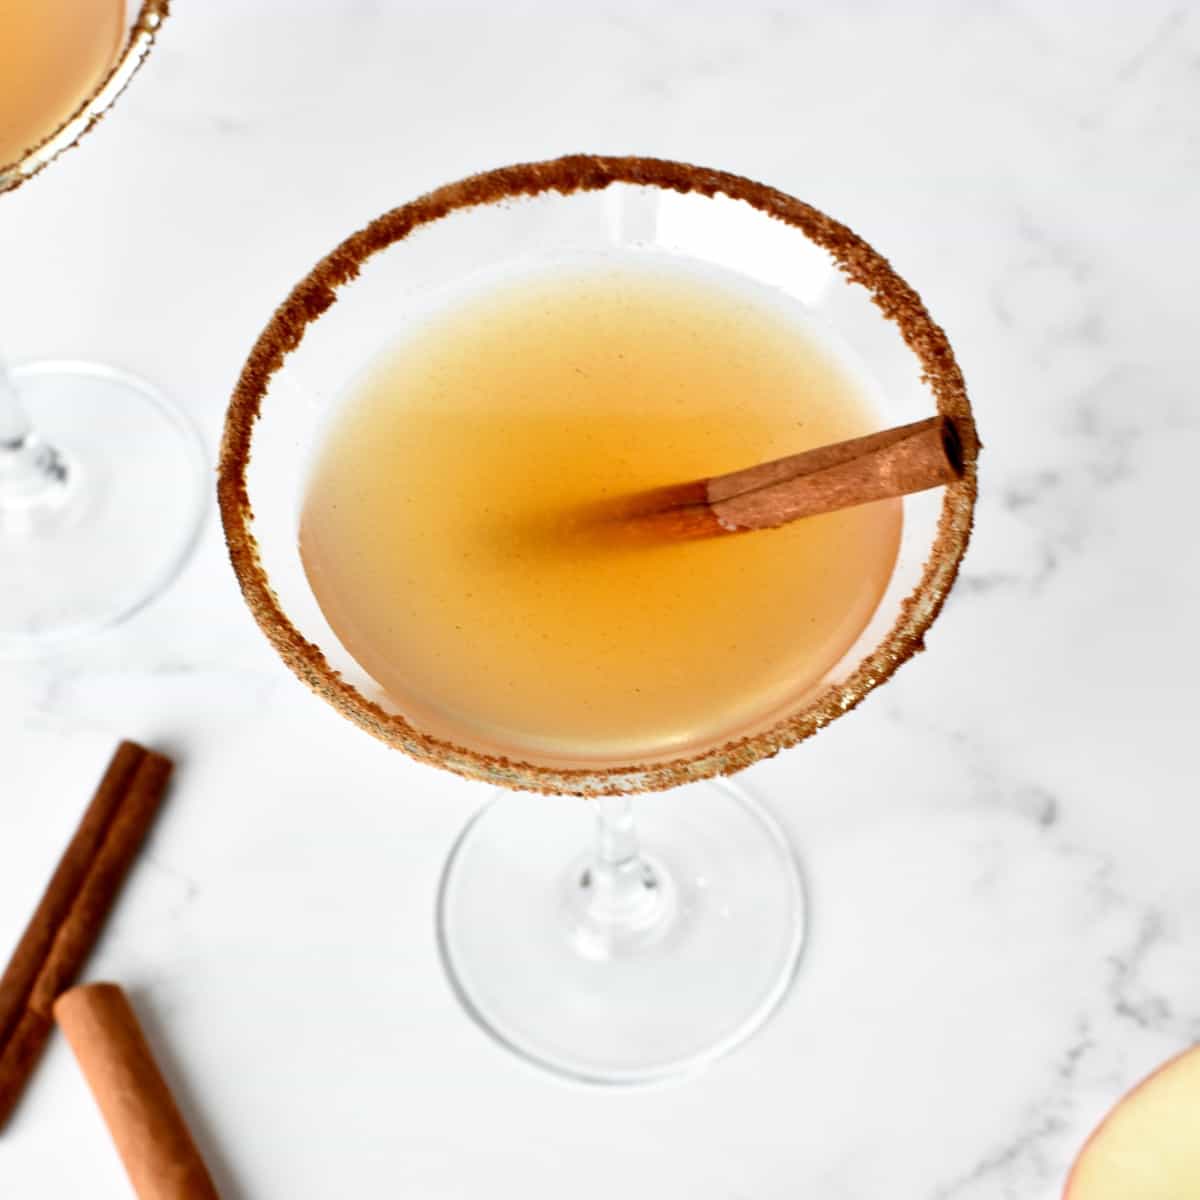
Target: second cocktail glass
pixel 101 477
pixel 672 942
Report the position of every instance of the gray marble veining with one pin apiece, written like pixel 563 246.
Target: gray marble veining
pixel 1001 843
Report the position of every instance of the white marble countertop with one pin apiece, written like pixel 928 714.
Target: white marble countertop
pixel 1001 843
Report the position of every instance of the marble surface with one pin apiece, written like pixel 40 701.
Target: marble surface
pixel 1001 844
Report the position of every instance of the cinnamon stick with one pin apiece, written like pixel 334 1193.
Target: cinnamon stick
pixel 150 1134
pixel 19 1056
pixel 895 462
pixel 79 926
pixel 81 929
pixel 56 901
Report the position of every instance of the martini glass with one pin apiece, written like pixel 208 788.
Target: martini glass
pixel 101 479
pixel 668 943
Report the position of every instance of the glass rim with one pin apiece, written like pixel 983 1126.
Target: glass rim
pixel 317 292
pixel 138 42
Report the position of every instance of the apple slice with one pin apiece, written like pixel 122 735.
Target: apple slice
pixel 1148 1147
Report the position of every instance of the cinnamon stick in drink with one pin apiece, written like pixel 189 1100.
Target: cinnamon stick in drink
pixel 68 923
pixel 895 462
pixel 150 1134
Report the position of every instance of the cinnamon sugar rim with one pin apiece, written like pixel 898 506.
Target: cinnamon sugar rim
pixel 137 45
pixel 314 294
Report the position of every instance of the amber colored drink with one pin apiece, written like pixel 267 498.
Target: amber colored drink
pixel 441 531
pixel 53 55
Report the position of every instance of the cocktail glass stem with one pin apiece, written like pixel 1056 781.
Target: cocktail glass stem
pixel 620 900
pixel 33 474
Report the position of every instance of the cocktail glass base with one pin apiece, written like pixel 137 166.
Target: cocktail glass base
pixel 627 974
pixel 124 513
